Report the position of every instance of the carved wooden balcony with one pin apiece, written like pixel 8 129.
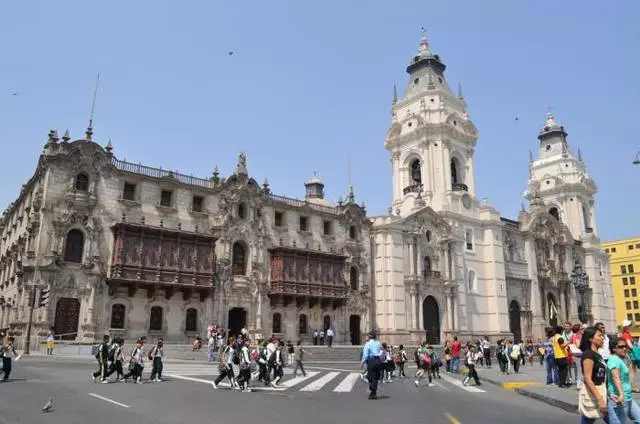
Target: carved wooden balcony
pixel 459 187
pixel 413 188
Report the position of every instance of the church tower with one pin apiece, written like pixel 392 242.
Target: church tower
pixel 431 139
pixel 560 179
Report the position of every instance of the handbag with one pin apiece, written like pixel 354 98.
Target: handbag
pixel 587 403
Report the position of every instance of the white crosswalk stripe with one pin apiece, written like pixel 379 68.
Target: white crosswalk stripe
pixel 327 380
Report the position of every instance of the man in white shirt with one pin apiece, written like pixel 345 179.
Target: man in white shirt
pixel 604 350
pixel 329 336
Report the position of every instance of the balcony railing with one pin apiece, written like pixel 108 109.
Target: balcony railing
pixel 459 187
pixel 414 188
pixel 431 274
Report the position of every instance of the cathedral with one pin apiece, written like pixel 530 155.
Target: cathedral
pixel 97 245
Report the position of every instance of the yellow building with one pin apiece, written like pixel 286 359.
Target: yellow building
pixel 624 262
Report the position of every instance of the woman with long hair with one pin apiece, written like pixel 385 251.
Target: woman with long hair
pixel 592 400
pixel 621 404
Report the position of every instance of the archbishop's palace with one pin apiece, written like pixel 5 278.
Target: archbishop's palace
pixel 130 250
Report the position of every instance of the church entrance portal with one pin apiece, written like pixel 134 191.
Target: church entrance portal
pixel 67 318
pixel 553 310
pixel 431 320
pixel 354 329
pixel 237 320
pixel 514 321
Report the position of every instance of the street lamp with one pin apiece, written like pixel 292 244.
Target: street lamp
pixel 581 283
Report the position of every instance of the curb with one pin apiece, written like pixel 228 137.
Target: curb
pixel 569 407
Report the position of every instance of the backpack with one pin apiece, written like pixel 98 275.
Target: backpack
pixel 272 359
pixel 426 358
pixel 255 353
pixel 151 353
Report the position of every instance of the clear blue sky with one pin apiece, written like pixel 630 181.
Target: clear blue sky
pixel 311 82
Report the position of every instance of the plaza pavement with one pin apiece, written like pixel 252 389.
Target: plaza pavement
pixel 79 400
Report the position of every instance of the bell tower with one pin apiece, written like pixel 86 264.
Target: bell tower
pixel 560 179
pixel 431 139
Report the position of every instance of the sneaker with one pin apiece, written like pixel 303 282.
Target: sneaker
pixel 417 383
pixel 138 380
pixel 105 382
pixel 274 384
pixel 93 378
pixel 215 386
pixel 247 390
pixel 430 385
pixel 157 380
pixel 122 380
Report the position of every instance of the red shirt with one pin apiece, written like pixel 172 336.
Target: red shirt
pixel 455 348
pixel 627 337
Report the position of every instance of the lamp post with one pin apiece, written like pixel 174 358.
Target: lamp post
pixel 581 283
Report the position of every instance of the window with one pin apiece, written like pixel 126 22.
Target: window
pixel 627 305
pixel 629 317
pixel 613 250
pixel 637 316
pixel 471 277
pixel 82 182
pixel 304 223
pixel 427 265
pixel 327 228
pixel 196 203
pixel 554 213
pixel 606 250
pixel 238 260
pixel 326 322
pixel 630 268
pixel 353 278
pixel 454 171
pixel 637 245
pixel 416 174
pixel 191 322
pixel 74 246
pixel 624 281
pixel 352 232
pixel 277 219
pixel 623 269
pixel 276 325
pixel 468 237
pixel 630 247
pixel 165 198
pixel 129 192
pixel 635 304
pixel 242 211
pixel 632 280
pixel 155 319
pixel 117 316
pixel 626 293
pixel 302 324
pixel 428 235
pixel 634 293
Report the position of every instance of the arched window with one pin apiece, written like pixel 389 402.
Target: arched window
pixel 117 315
pixel 471 277
pixel 74 246
pixel 416 173
pixel 302 324
pixel 554 213
pixel 454 171
pixel 191 323
pixel 276 325
pixel 587 218
pixel 427 264
pixel 428 235
pixel 82 182
pixel 242 211
pixel 352 232
pixel 155 319
pixel 239 259
pixel 353 278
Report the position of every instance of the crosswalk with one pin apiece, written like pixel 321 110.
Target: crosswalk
pixel 316 380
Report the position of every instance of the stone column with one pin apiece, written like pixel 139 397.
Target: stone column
pixel 411 247
pixel 419 305
pixel 413 309
pixel 259 312
pixel 420 257
pixel 454 310
pixel 448 315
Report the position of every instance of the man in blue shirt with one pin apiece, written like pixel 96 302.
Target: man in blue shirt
pixel 371 357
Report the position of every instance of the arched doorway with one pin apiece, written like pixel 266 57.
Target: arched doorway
pixel 514 321
pixel 326 322
pixel 67 318
pixel 431 320
pixel 354 329
pixel 237 320
pixel 552 308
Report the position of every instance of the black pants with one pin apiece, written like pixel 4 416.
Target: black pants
pixel 330 340
pixel 156 369
pixel 516 364
pixel 278 372
pixel 487 357
pixel 135 371
pixel 300 367
pixel 102 370
pixel 244 376
pixel 472 374
pixel 563 370
pixel 227 371
pixel 264 373
pixel 115 367
pixel 374 366
pixel 6 367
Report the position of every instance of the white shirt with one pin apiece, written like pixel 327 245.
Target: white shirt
pixel 604 350
pixel 329 332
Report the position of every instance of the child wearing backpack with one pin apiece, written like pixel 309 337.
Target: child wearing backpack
pixel 226 365
pixel 424 360
pixel 402 360
pixel 103 358
pixel 155 356
pixel 276 359
pixel 136 364
pixel 116 359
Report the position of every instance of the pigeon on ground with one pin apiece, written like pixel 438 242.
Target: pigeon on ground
pixel 48 407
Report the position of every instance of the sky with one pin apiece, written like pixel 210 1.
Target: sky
pixel 309 85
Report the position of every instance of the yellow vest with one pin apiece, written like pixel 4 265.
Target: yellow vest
pixel 558 352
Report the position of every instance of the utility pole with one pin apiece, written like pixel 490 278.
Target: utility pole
pixel 32 304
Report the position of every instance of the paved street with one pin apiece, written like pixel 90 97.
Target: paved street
pixel 326 395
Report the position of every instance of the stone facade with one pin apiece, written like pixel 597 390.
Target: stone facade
pixel 108 246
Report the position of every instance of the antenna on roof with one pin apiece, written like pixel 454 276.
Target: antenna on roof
pixel 89 131
pixel 349 169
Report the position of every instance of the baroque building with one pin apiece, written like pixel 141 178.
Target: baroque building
pixel 131 250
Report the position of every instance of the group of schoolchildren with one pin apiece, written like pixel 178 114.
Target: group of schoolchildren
pixel 111 359
pixel 264 363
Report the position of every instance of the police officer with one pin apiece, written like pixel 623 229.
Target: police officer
pixel 371 357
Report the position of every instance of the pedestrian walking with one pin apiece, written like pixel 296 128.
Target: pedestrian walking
pixel 330 334
pixel 226 364
pixel 50 342
pixel 299 355
pixel 103 358
pixel 8 353
pixel 136 363
pixel 155 356
pixel 472 358
pixel 371 357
